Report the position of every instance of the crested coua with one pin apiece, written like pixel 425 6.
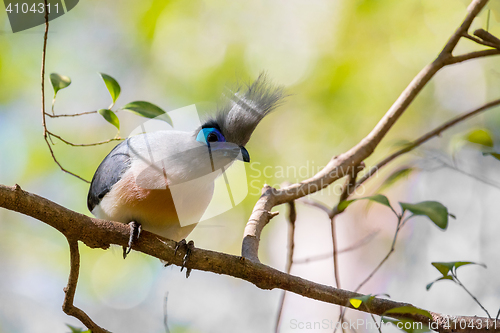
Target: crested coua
pixel 164 181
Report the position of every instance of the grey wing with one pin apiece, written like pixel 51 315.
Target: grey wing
pixel 108 173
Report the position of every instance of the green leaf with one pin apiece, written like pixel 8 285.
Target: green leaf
pixel 407 325
pixel 480 136
pixel 110 117
pixel 445 267
pixel 409 309
pixel 381 199
pixel 494 154
pixel 395 177
pixel 59 82
pixel 447 277
pixel 146 109
pixel 113 86
pixel 432 209
pixel 464 263
pixel 76 329
pixel 356 301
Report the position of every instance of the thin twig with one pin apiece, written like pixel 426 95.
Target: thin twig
pixel 424 138
pixel 44 51
pixel 393 245
pixel 347 190
pixel 376 324
pixel 451 166
pixel 333 214
pixel 487 37
pixel 488 20
pixel 365 240
pixel 292 217
pixel 44 124
pixel 398 227
pixel 316 204
pixel 59 164
pixel 480 41
pixel 471 55
pixel 349 186
pixel 84 144
pixel 470 294
pixel 69 115
pixel 70 290
pixel 165 318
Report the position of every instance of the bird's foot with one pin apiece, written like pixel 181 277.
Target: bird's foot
pixel 189 247
pixel 135 231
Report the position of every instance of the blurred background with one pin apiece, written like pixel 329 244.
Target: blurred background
pixel 343 62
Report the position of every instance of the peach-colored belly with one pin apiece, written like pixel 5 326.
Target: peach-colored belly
pixel 154 209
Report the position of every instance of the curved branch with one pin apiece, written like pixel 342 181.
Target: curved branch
pixel 99 233
pixel 84 144
pixel 46 133
pixel 480 41
pixel 363 241
pixel 426 137
pixel 70 290
pixel 46 137
pixel 472 55
pixel 341 165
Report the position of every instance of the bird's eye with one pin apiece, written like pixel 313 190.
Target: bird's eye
pixel 208 135
pixel 212 137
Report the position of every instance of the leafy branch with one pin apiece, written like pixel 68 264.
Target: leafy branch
pixel 449 272
pixel 97 233
pixel 59 82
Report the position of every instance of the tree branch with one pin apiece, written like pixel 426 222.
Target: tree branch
pixel 70 115
pixel 480 41
pixel 70 290
pixel 44 124
pixel 84 144
pixel 363 241
pixel 341 165
pixel 348 188
pixel 487 37
pixel 472 55
pixel 292 217
pixel 98 233
pixel 426 137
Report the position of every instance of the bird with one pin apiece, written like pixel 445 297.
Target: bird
pixel 163 181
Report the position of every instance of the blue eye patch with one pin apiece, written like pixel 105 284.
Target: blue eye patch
pixel 207 135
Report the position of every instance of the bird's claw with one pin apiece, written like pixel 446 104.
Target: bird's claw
pixel 135 231
pixel 189 247
pixel 179 244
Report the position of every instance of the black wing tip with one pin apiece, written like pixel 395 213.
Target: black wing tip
pixel 91 203
pixel 109 172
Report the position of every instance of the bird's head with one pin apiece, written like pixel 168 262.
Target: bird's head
pixel 239 113
pixel 217 143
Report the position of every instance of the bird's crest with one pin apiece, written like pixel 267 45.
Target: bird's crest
pixel 244 107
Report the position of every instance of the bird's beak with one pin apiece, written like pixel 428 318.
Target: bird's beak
pixel 245 154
